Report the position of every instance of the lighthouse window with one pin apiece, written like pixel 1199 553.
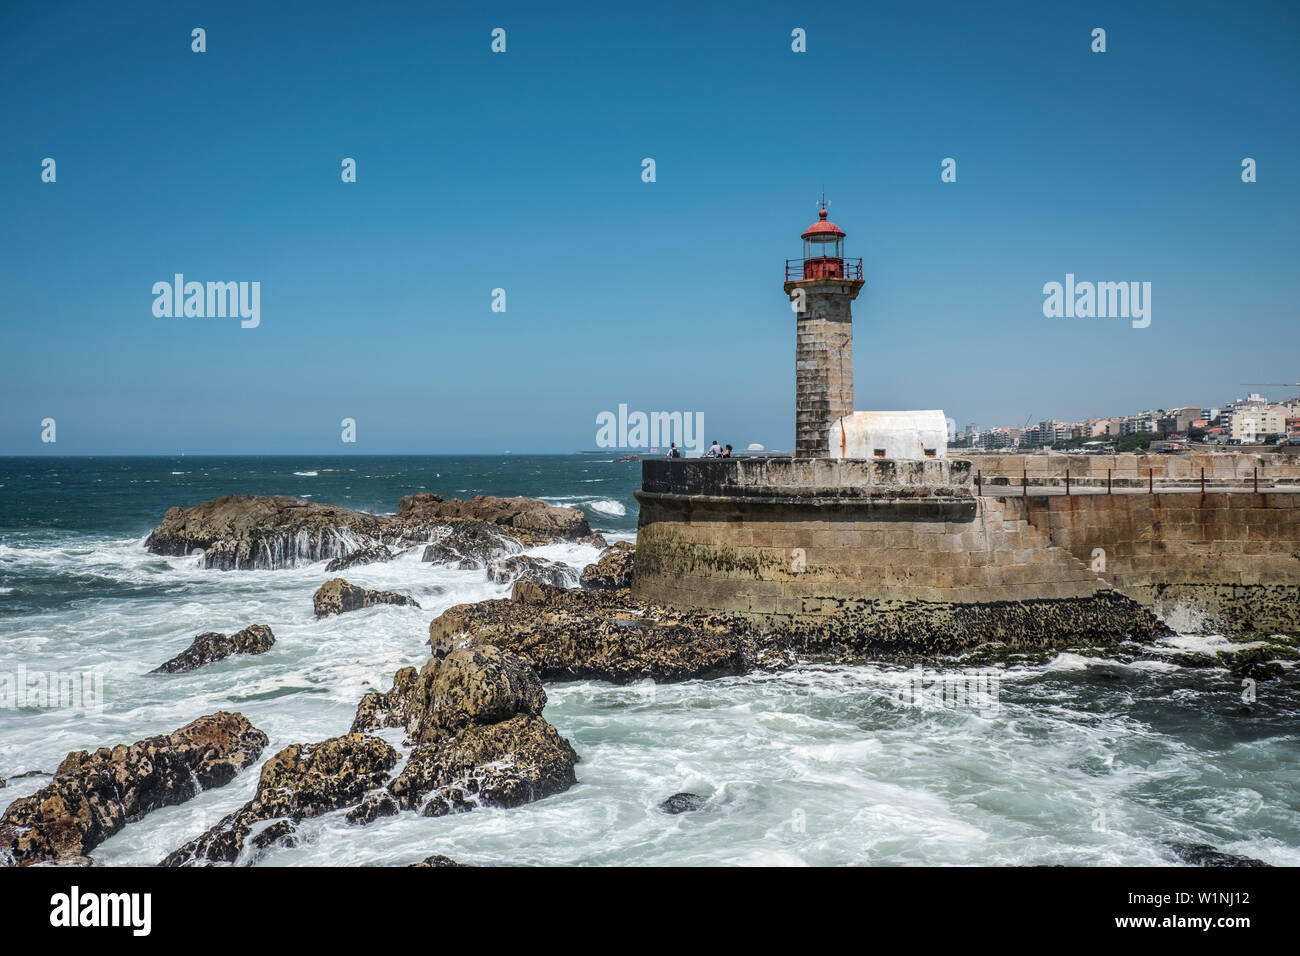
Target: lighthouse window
pixel 929 452
pixel 879 453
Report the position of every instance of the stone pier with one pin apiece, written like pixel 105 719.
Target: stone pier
pixel 882 556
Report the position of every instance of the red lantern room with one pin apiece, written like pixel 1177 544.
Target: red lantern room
pixel 823 254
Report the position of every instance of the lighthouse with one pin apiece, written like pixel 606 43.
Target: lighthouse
pixel 822 286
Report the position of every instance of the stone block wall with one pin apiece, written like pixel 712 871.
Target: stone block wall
pixel 1226 561
pixel 1133 469
pixel 823 360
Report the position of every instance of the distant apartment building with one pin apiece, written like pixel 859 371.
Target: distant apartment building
pixel 999 438
pixel 1178 420
pixel 1143 422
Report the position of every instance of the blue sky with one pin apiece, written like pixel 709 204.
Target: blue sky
pixel 522 171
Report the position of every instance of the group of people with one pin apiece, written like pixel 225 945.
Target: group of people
pixel 715 451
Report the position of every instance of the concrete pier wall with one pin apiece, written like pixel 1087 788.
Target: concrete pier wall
pixel 904 552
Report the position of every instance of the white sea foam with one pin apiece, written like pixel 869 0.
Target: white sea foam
pixel 822 765
pixel 306 474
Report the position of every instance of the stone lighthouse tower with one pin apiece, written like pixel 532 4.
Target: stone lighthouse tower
pixel 822 286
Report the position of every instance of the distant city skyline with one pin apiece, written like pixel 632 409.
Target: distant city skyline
pixel 517 181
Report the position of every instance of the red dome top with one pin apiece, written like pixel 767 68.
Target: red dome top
pixel 823 227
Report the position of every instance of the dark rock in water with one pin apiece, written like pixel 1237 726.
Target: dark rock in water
pixel 301 781
pixel 480 685
pixel 372 555
pixel 628 458
pixel 378 804
pixel 438 860
pixel 521 567
pixel 94 795
pixel 1203 854
pixel 683 803
pixel 1257 663
pixel 256 531
pixel 337 595
pixel 1193 659
pixel 211 646
pixel 279 833
pixel 530 517
pixel 2 783
pixel 469 544
pixel 402 706
pixel 474 717
pixel 576 634
pixel 613 570
pixel 505 764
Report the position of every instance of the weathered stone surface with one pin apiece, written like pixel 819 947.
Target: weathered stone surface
pixel 1257 663
pixel 375 805
pixel 301 781
pixel 505 764
pixel 456 688
pixel 529 516
pixel 522 567
pixel 401 706
pixel 277 531
pixel 279 833
pixel 480 685
pixel 256 531
pixel 474 717
pixel 212 646
pixel 373 554
pixel 438 860
pixel 94 795
pixel 888 630
pixel 612 571
pixel 469 544
pixel 572 634
pixel 337 595
pixel 1203 854
pixel 683 803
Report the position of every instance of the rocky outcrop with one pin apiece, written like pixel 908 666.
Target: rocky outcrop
pixel 337 595
pixel 504 764
pixel 94 795
pixel 612 571
pixel 1203 854
pixel 455 689
pixel 256 531
pixel 683 803
pixel 469 544
pixel 523 567
pixel 212 646
pixel 438 860
pixel 373 554
pixel 277 531
pixel 571 634
pixel 301 781
pixel 474 717
pixel 530 517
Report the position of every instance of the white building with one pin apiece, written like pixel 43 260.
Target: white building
pixel 909 434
